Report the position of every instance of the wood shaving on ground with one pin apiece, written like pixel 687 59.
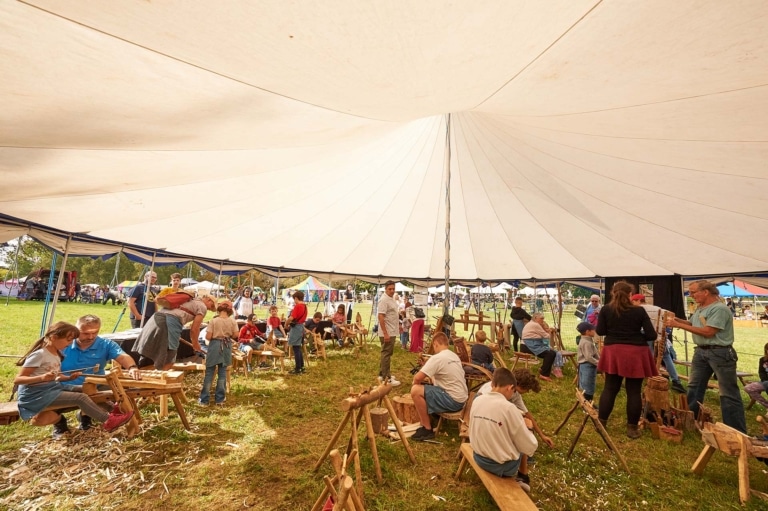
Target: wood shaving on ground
pixel 49 474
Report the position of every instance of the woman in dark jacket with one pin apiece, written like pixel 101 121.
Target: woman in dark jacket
pixel 627 330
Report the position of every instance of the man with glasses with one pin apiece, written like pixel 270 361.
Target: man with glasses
pixel 389 328
pixel 712 327
pixel 142 300
pixel 590 315
pixel 87 351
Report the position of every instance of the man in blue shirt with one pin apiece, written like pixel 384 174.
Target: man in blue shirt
pixel 85 353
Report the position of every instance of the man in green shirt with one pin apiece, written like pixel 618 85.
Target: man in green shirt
pixel 712 328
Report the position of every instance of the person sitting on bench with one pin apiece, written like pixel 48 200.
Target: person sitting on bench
pixel 250 339
pixel 536 341
pixel 40 386
pixel 525 381
pixel 448 391
pixel 87 350
pixel 755 390
pixel 497 431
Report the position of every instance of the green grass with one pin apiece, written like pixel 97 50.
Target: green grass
pixel 259 450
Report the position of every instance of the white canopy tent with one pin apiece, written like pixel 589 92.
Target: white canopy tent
pixel 204 285
pixel 586 138
pixel 399 288
pixel 540 291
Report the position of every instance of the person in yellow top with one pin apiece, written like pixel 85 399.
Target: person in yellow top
pixel 173 288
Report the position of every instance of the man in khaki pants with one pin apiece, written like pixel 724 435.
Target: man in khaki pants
pixel 389 329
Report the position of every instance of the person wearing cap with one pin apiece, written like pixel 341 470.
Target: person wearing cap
pixel 388 314
pixel 159 340
pixel 587 358
pixel 142 300
pixel 655 313
pixel 711 325
pixel 221 334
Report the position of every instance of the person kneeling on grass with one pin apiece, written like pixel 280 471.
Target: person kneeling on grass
pixel 497 431
pixel 40 386
pixel 448 391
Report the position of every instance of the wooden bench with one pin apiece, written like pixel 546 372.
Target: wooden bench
pixel 505 491
pixel 9 412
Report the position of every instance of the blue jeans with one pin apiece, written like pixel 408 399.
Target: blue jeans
pixel 221 384
pixel 666 359
pixel 404 339
pixel 506 469
pixel 722 362
pixel 587 376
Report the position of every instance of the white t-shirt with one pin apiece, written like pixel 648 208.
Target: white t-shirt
pixel 445 371
pixel 43 361
pixel 388 307
pixel 497 429
pixel 653 313
pixel 244 306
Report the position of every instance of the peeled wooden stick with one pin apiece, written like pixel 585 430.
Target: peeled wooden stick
pixel 92 368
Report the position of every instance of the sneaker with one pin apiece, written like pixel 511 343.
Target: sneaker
pixel 222 403
pixel 678 387
pixel 523 477
pixel 393 381
pixel 557 372
pixel 85 421
pixel 203 403
pixel 60 429
pixel 248 367
pixel 115 420
pixel 525 486
pixel 423 434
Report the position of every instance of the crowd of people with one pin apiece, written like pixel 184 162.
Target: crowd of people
pixel 614 339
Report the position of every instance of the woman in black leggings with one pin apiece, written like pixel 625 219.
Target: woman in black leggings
pixel 625 356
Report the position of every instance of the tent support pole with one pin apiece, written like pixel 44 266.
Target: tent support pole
pixel 447 210
pixel 148 290
pixel 59 281
pixel 219 281
pixel 15 268
pixel 685 316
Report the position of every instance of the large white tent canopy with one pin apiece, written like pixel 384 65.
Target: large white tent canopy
pixel 584 137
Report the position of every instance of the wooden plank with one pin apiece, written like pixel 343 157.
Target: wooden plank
pixel 505 491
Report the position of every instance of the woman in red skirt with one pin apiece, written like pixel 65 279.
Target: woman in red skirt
pixel 627 330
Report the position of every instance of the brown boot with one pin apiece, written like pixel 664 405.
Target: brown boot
pixel 633 432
